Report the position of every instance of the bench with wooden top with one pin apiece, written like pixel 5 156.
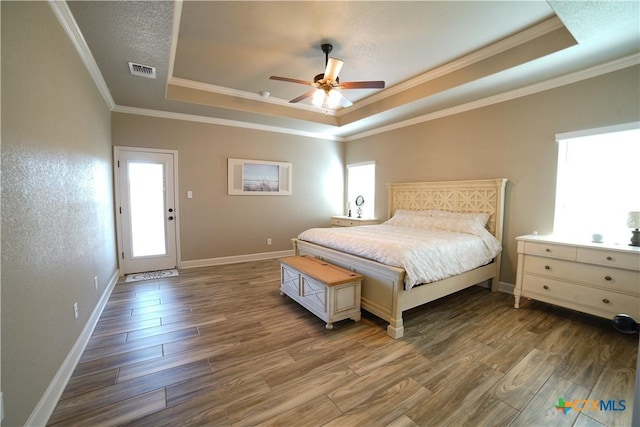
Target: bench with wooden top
pixel 330 292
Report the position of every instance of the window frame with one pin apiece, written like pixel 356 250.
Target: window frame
pixel 615 232
pixel 369 200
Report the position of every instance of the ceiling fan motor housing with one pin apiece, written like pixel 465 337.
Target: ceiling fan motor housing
pixel 326 48
pixel 320 76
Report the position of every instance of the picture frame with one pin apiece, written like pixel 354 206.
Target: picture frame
pixel 259 178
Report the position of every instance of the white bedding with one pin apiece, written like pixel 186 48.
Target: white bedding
pixel 426 255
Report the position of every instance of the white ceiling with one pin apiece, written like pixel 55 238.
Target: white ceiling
pixel 213 58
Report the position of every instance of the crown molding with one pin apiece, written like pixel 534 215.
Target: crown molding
pixel 68 22
pixel 223 122
pixel 577 76
pixel 175 30
pixel 598 70
pixel 206 87
pixel 486 52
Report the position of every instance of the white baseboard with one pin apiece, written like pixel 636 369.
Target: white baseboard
pixel 43 410
pixel 233 259
pixel 502 286
pixel 506 287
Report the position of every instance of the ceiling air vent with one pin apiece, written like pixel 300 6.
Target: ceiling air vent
pixel 142 70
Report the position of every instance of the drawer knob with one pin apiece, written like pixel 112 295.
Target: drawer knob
pixel 607 278
pixel 545 287
pixel 547 250
pixel 546 267
pixel 605 300
pixel 609 258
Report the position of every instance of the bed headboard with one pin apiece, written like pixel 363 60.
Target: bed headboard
pixel 484 195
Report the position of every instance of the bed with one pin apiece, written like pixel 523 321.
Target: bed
pixel 383 287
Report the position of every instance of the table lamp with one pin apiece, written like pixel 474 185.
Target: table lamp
pixel 633 222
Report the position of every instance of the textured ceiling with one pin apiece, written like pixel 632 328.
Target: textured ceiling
pixel 214 58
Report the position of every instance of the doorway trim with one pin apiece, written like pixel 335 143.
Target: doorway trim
pixel 119 239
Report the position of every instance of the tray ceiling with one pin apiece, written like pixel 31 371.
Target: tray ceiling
pixel 213 59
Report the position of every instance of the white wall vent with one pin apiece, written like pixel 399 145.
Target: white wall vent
pixel 142 70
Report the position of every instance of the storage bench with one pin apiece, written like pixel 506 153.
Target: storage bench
pixel 328 291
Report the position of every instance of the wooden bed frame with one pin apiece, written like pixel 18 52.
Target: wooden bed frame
pixel 383 292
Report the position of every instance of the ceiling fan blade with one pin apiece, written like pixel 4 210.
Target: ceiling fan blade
pixel 290 80
pixel 333 69
pixel 344 102
pixel 375 84
pixel 303 96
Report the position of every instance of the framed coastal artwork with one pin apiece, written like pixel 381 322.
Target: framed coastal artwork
pixel 259 178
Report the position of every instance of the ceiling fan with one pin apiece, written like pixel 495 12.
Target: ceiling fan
pixel 324 85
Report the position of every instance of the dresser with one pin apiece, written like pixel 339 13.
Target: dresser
pixel 595 278
pixel 350 221
pixel 330 292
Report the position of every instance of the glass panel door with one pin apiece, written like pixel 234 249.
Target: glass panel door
pixel 147 217
pixel 146 198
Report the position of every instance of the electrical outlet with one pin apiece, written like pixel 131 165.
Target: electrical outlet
pixel 75 310
pixel 95 281
pixel 269 241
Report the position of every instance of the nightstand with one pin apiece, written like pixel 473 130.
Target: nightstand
pixel 350 221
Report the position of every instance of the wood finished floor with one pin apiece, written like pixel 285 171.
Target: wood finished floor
pixel 220 346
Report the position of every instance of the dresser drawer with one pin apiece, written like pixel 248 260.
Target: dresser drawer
pixel 550 250
pixel 347 221
pixel 610 258
pixel 599 302
pixel 607 278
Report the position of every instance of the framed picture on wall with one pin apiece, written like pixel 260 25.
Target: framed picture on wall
pixel 258 178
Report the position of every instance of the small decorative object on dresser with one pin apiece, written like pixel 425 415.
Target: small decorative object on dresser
pixel 599 279
pixel 346 221
pixel 633 222
pixel 359 203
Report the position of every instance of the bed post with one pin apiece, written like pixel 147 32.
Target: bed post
pixel 396 328
pixel 501 184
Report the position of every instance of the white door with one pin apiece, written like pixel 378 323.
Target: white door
pixel 146 210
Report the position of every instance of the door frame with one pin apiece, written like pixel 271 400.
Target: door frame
pixel 117 193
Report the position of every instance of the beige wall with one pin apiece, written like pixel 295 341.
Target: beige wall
pixel 57 203
pixel 514 139
pixel 216 225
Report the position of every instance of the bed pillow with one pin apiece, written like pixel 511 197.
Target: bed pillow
pixel 412 219
pixel 439 220
pixel 454 223
pixel 477 217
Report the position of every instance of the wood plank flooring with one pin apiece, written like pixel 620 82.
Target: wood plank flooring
pixel 219 346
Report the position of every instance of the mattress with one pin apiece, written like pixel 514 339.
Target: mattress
pixel 426 255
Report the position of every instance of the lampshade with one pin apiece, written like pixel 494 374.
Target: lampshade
pixel 329 99
pixel 318 98
pixel 333 98
pixel 633 220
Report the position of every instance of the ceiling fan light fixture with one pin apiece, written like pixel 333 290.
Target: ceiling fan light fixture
pixel 333 98
pixel 323 98
pixel 318 97
pixel 324 93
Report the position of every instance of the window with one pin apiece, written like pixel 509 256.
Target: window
pixel 598 182
pixel 361 180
